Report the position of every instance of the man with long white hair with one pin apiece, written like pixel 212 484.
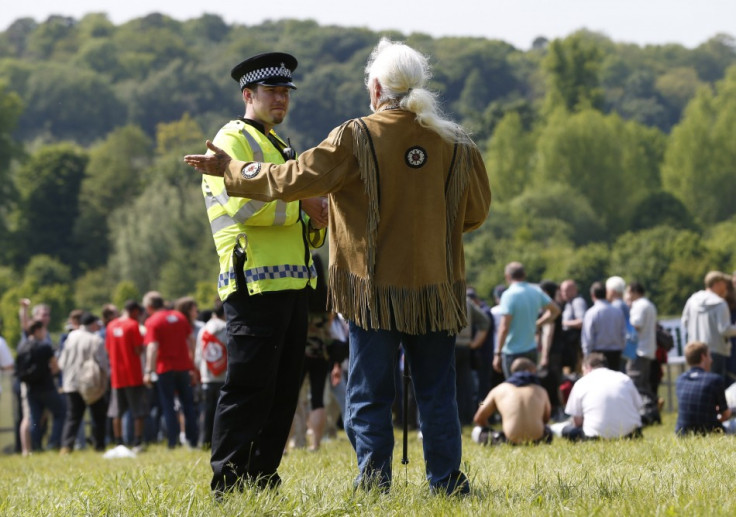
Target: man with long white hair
pixel 403 184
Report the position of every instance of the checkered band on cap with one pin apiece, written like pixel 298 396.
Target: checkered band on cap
pixel 260 74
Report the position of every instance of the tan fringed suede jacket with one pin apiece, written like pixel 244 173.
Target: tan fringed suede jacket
pixel 400 198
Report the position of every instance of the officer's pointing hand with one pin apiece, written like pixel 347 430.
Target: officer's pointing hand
pixel 210 164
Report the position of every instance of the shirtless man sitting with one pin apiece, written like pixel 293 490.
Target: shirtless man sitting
pixel 524 407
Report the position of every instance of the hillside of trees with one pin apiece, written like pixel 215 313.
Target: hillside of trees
pixel 604 157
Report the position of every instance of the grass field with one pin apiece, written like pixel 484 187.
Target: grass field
pixel 659 475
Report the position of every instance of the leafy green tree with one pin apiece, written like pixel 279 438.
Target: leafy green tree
pixel 670 263
pixel 660 208
pixel 712 58
pixel 54 38
pixel 15 38
pixel 207 28
pixel 10 109
pixel 585 265
pixel 557 213
pixel 206 294
pixel 46 270
pixel 124 291
pixel 49 185
pixel 9 305
pixel 114 177
pixel 677 87
pixel 572 68
pixel 313 115
pixel 175 138
pixel 150 44
pixel 101 56
pixel 596 155
pixel 166 223
pixel 721 239
pixel 95 25
pixel 65 111
pixel 700 160
pixel 509 158
pixel 93 289
pixel 176 88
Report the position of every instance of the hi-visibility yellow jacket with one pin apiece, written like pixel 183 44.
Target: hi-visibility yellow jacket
pixel 278 234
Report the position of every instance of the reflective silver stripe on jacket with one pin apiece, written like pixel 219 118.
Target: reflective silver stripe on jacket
pixel 251 207
pixel 221 222
pixel 257 152
pixel 279 216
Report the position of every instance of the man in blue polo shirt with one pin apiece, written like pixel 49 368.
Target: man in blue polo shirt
pixel 520 309
pixel 701 395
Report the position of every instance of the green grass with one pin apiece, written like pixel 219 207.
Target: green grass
pixel 659 475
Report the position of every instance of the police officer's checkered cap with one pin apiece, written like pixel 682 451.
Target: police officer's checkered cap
pixel 256 76
pixel 270 68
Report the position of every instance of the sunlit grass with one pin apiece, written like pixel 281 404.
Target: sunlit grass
pixel 659 475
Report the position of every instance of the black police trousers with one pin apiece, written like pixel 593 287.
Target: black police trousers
pixel 267 334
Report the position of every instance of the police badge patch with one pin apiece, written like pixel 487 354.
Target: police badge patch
pixel 251 170
pixel 416 157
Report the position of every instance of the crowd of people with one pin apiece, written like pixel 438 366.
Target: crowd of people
pixel 600 366
pixel 123 367
pixel 161 368
pixel 524 371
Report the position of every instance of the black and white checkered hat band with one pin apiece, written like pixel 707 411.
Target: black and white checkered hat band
pixel 259 75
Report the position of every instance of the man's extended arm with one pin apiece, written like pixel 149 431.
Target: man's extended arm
pixel 316 172
pixel 551 311
pixel 486 409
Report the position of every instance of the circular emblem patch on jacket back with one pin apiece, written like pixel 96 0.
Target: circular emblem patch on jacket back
pixel 251 170
pixel 416 157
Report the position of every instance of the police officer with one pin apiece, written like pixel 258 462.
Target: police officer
pixel 265 270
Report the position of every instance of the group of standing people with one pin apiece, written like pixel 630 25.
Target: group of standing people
pixel 143 364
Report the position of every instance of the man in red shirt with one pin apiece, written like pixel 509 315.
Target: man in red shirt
pixel 169 362
pixel 124 343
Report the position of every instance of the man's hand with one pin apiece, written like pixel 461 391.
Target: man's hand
pixel 316 209
pixel 211 164
pixel 497 363
pixel 336 374
pixel 147 380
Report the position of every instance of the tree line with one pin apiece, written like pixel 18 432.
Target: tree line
pixel 603 157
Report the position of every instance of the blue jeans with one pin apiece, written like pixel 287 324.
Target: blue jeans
pixel 719 366
pixel 371 392
pixel 177 381
pixel 508 360
pixel 53 401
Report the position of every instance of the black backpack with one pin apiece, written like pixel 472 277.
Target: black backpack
pixel 27 367
pixel 664 338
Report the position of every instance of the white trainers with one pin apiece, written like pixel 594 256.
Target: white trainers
pixel 479 435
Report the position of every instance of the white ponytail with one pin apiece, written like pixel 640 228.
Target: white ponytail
pixel 403 74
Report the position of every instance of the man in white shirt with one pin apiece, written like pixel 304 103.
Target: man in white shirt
pixel 603 403
pixel 643 317
pixel 706 318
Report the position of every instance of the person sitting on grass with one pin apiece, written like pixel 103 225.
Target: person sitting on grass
pixel 603 404
pixel 524 407
pixel 701 395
